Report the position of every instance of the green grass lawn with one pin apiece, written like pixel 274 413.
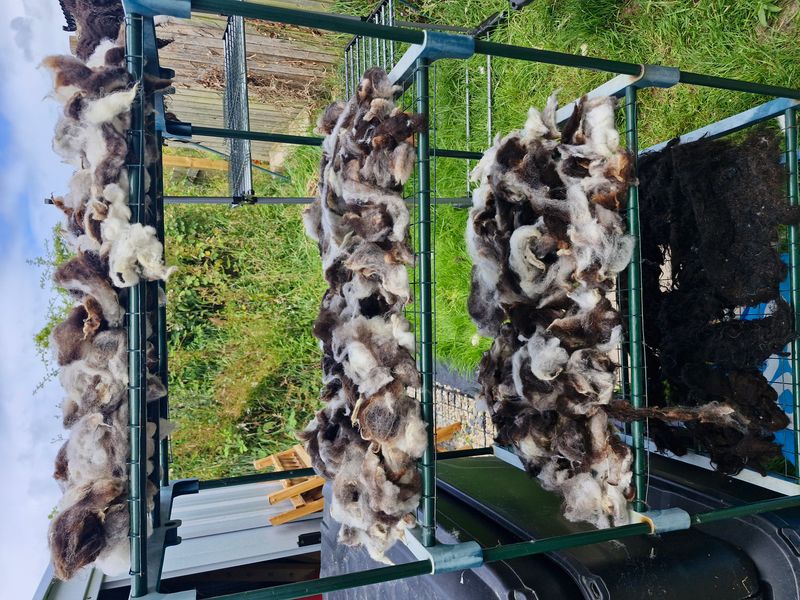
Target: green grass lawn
pixel 243 363
pixel 244 370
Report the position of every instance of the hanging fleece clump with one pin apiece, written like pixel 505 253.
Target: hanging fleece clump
pixel 110 255
pixel 369 433
pixel 98 22
pixel 547 240
pixel 710 216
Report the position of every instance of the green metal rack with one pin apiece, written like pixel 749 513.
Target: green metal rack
pixel 634 301
pixel 146 561
pixel 136 321
pixel 147 554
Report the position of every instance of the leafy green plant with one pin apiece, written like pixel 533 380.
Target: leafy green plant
pixel 56 252
pixel 765 11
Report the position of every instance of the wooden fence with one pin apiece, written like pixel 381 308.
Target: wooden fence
pixel 290 74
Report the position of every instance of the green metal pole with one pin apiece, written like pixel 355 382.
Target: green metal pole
pixel 280 475
pixel 161 322
pixel 280 138
pixel 635 341
pixel 303 589
pixel 595 536
pixel 426 366
pixel 462 201
pixel 736 85
pixel 305 140
pixel 584 538
pixel 550 57
pixel 456 154
pixel 137 299
pixel 506 552
pixel 794 272
pixel 304 18
pixel 344 24
pixel 746 510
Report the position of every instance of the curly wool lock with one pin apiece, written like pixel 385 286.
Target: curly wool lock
pixel 369 433
pixel 547 240
pixel 710 212
pixel 97 20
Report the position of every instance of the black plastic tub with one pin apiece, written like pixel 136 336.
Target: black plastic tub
pixel 491 502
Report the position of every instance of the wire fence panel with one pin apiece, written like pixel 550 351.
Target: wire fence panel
pixel 237 111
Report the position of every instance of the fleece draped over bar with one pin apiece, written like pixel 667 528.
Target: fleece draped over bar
pixel 369 434
pixel 110 255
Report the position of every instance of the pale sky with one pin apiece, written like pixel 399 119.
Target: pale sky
pixel 29 171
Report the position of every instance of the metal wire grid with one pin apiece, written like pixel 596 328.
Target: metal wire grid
pixel 453 405
pixel 408 102
pixel 621 354
pixel 632 355
pixel 456 406
pixel 777 370
pixel 236 108
pixel 421 312
pixel 793 194
pixel 468 115
pixel 136 320
pixel 363 53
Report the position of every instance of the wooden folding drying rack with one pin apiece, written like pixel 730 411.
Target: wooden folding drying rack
pixel 305 493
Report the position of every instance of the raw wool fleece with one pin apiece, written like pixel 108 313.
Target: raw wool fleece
pixel 369 433
pixel 710 212
pixel 547 240
pixel 97 20
pixel 90 345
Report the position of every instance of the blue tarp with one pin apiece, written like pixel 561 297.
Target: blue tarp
pixel 778 371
